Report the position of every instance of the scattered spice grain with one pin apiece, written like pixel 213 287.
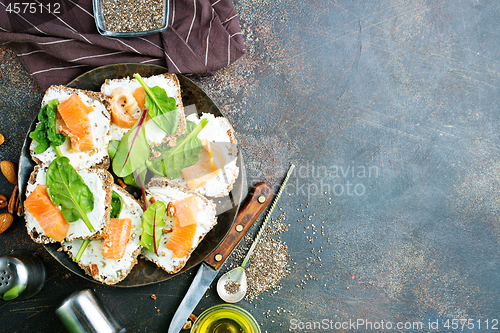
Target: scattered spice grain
pixel 269 264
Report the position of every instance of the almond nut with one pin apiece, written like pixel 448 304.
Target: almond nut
pixel 170 209
pixel 2 139
pixel 3 201
pixel 5 221
pixel 19 208
pixel 14 199
pixel 9 171
pixel 187 325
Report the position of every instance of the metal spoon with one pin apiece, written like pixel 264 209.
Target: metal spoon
pixel 232 286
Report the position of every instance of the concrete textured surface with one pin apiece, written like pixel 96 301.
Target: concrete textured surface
pixel 389 111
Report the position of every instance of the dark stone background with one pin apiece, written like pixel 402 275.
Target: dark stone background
pixel 406 89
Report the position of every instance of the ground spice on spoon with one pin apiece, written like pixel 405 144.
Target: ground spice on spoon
pixel 232 287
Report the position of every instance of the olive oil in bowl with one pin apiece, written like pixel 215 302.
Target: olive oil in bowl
pixel 225 318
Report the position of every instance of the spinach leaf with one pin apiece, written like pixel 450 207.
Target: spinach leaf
pixel 67 189
pixel 81 251
pixel 133 150
pixel 116 204
pixel 152 226
pixel 113 148
pixel 162 108
pixel 45 132
pixel 182 155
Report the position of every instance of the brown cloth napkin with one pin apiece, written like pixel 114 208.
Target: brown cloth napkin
pixel 203 36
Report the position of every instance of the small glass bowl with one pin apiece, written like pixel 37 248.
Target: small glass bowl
pixel 101 25
pixel 223 315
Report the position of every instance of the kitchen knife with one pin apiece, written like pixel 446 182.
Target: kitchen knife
pixel 260 198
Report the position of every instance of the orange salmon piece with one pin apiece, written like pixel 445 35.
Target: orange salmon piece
pixel 46 213
pixel 124 111
pixel 211 161
pixel 117 238
pixel 186 210
pixel 181 240
pixel 140 97
pixel 77 126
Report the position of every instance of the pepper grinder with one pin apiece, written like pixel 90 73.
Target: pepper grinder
pixel 22 275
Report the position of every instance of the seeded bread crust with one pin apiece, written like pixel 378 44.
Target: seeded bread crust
pixel 233 154
pixel 164 182
pixel 93 271
pixel 181 127
pixel 107 179
pixel 126 193
pixel 94 96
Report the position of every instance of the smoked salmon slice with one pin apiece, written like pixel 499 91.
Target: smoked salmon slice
pixel 46 213
pixel 124 108
pixel 140 97
pixel 117 237
pixel 211 162
pixel 186 210
pixel 181 240
pixel 76 126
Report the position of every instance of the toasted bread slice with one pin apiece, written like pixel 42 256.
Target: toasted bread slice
pixel 162 190
pixel 99 182
pixel 100 121
pixel 219 133
pixel 111 271
pixel 155 136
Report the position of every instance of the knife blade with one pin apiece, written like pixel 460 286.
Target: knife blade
pixel 260 198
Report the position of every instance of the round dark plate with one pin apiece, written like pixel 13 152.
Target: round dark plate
pixel 146 272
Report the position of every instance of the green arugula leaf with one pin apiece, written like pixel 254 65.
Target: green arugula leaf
pixel 67 189
pixel 185 153
pixel 162 108
pixel 116 204
pixel 133 150
pixel 45 132
pixel 152 226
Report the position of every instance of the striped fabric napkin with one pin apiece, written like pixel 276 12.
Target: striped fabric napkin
pixel 203 36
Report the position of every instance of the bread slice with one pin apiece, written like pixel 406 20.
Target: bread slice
pixel 218 132
pixel 111 271
pixel 154 135
pixel 100 120
pixel 99 181
pixel 162 190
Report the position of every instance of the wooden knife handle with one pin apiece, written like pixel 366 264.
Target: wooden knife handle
pixel 261 196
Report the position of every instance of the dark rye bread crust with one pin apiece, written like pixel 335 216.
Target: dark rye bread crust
pixel 107 179
pixel 164 182
pixel 94 96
